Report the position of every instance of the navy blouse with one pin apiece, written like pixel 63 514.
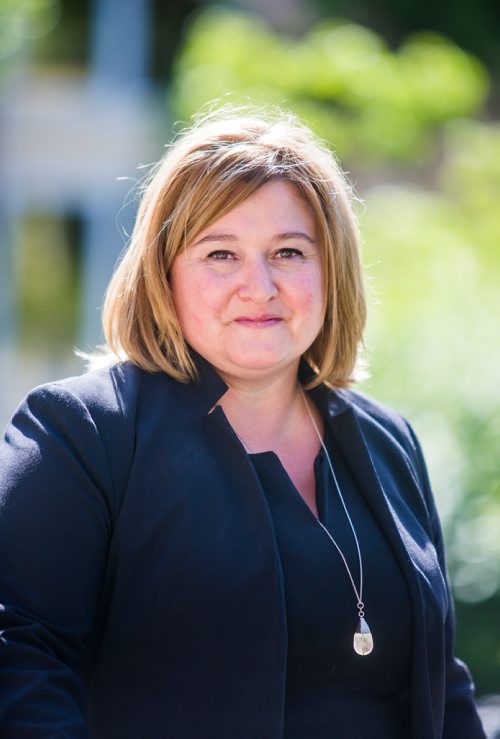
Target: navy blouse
pixel 332 692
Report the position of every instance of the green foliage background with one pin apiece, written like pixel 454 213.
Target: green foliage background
pixel 408 124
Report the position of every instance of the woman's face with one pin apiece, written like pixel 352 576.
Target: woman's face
pixel 248 290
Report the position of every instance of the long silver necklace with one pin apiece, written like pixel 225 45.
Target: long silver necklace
pixel 363 639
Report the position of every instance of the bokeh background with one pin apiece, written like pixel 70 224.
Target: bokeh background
pixel 408 96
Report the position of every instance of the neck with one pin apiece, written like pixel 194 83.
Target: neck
pixel 265 415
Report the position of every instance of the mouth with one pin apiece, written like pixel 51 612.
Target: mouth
pixel 258 321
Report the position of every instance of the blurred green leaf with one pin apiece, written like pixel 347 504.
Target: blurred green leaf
pixel 25 20
pixel 391 101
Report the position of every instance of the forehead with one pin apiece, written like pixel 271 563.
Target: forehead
pixel 277 204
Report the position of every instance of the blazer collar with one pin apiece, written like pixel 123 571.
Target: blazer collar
pixel 210 387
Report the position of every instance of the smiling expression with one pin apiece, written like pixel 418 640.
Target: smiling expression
pixel 248 290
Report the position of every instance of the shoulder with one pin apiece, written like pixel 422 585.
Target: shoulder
pixel 108 393
pixel 377 420
pixel 111 403
pixel 92 419
pixel 112 388
pixel 104 402
pixel 118 403
pixel 388 436
pixel 368 408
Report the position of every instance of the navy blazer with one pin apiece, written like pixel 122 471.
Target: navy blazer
pixel 139 573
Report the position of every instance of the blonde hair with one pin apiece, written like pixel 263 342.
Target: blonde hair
pixel 208 170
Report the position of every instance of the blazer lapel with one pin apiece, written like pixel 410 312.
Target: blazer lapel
pixel 260 555
pixel 375 487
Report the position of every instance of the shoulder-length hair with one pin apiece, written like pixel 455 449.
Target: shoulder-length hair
pixel 207 171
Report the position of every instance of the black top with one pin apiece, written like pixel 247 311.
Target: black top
pixel 331 691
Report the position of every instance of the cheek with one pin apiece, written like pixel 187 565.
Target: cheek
pixel 196 298
pixel 309 295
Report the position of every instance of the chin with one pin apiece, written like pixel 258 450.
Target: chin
pixel 259 365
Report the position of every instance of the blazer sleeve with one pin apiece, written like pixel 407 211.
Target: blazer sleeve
pixel 461 717
pixel 55 503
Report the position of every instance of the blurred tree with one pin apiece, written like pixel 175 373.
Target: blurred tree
pixel 378 106
pixel 59 31
pixel 474 26
pixel 48 293
pixel 22 23
pixel 169 20
pixel 68 42
pixel 406 123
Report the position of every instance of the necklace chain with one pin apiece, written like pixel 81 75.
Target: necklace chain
pixel 358 593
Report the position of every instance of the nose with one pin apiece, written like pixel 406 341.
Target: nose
pixel 257 281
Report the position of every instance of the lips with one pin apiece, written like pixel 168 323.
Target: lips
pixel 266 321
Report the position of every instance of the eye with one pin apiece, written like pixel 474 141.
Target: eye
pixel 220 255
pixel 288 252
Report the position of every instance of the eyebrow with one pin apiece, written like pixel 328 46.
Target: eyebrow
pixel 287 236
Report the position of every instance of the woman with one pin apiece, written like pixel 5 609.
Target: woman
pixel 214 537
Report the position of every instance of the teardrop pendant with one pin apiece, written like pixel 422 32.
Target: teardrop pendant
pixel 363 639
